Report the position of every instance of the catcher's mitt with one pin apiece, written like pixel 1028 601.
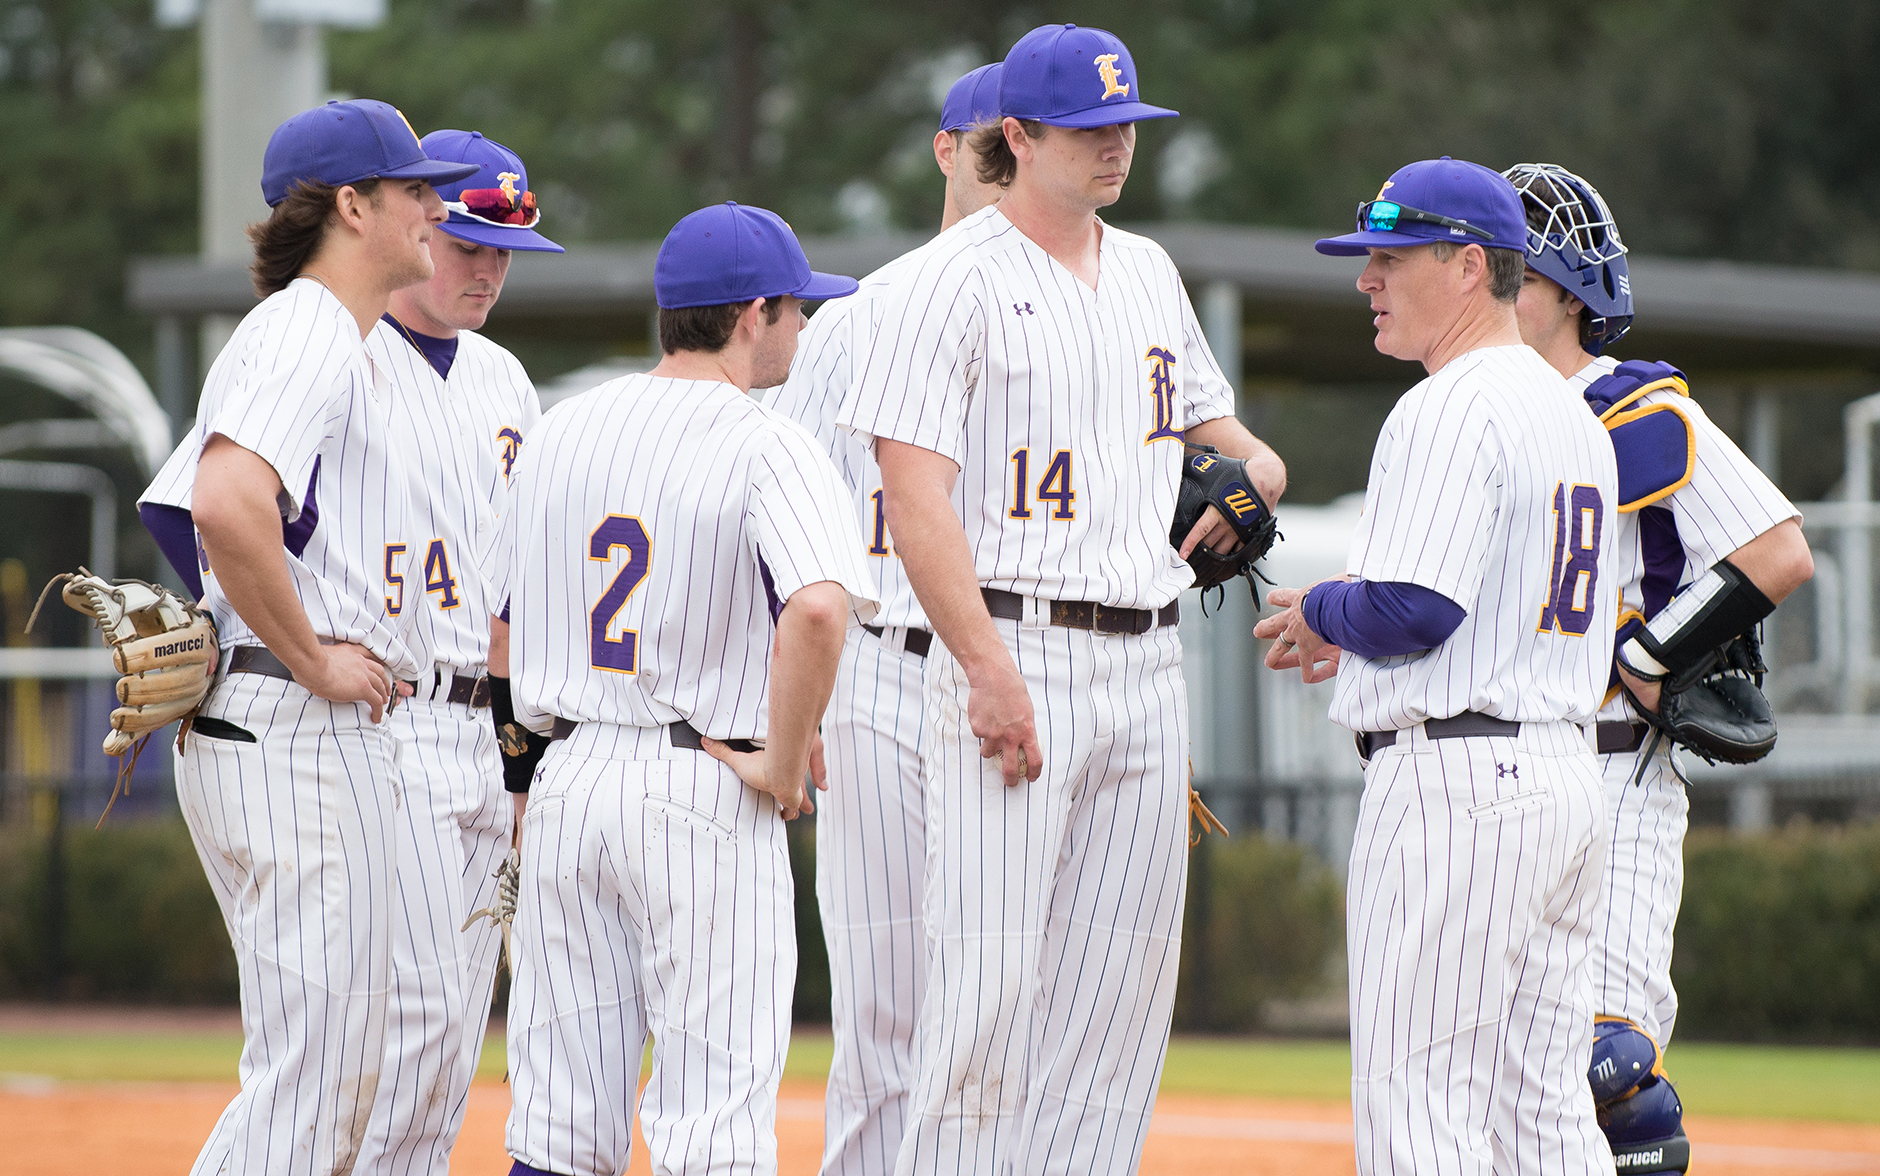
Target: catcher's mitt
pixel 1716 707
pixel 1211 479
pixel 162 644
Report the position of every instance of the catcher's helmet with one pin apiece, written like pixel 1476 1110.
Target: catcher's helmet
pixel 1573 240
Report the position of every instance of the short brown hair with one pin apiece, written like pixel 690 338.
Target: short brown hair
pixel 997 164
pixel 1505 267
pixel 292 234
pixel 707 328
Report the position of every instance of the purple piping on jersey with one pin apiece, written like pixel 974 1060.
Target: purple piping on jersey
pixel 1381 618
pixel 174 529
pixel 296 535
pixel 522 1169
pixel 1664 558
pixel 770 590
pixel 439 353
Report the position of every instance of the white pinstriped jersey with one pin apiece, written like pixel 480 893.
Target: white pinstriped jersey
pixel 1726 503
pixel 656 526
pixel 1063 406
pixel 463 435
pixel 1488 486
pixel 828 358
pixel 295 386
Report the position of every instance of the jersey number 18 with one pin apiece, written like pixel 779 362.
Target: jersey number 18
pixel 1574 571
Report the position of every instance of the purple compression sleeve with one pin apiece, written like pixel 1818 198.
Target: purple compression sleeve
pixel 1381 618
pixel 174 529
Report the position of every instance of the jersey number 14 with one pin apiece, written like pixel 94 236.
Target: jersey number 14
pixel 1574 576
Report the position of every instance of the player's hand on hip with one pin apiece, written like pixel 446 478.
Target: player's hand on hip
pixel 757 771
pixel 353 673
pixel 1214 530
pixel 1000 713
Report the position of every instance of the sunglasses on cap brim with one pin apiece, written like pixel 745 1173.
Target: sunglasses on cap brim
pixel 494 206
pixel 1383 216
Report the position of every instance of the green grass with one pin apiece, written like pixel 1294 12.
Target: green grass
pixel 1742 1081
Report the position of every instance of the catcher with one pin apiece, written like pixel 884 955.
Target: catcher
pixel 1706 547
pixel 163 645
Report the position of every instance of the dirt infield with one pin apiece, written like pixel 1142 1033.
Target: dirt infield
pixel 67 1129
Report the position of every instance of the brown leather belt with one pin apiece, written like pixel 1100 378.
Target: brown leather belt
pixel 1615 738
pixel 682 734
pixel 1082 614
pixel 1459 727
pixel 464 689
pixel 255 659
pixel 918 641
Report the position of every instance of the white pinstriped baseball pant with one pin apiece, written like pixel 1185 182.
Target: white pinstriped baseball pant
pixel 1053 912
pixel 453 831
pixel 871 857
pixel 1643 888
pixel 656 898
pixel 1469 912
pixel 296 834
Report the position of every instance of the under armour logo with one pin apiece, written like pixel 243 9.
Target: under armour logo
pixel 1502 770
pixel 1023 308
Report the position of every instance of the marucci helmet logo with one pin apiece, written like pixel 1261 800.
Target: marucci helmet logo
pixel 1113 83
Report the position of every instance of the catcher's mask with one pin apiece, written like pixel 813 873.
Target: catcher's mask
pixel 1573 241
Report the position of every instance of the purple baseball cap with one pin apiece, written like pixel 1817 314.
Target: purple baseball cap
pixel 1065 76
pixel 973 99
pixel 1437 200
pixel 344 143
pixel 493 205
pixel 733 253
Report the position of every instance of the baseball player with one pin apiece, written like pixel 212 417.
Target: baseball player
pixel 287 776
pixel 1026 398
pixel 664 527
pixel 871 833
pixel 460 411
pixel 1689 502
pixel 1470 644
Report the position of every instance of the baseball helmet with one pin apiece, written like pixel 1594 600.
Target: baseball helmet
pixel 1573 241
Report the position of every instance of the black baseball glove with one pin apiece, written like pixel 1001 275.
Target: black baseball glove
pixel 1211 479
pixel 1716 707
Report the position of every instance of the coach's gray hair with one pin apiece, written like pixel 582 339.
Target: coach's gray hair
pixel 1505 267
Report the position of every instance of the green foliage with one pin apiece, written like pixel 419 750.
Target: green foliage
pixel 100 110
pixel 1779 936
pixel 1262 922
pixel 140 921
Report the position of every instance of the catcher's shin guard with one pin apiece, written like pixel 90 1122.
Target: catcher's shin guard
pixel 1638 1108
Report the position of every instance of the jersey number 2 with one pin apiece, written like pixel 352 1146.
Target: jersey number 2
pixel 1574 575
pixel 619 654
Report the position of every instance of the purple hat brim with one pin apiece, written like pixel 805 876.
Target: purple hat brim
pixel 500 236
pixel 824 286
pixel 1357 244
pixel 1105 116
pixel 432 171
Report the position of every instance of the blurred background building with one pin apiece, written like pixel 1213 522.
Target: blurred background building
pixel 1732 141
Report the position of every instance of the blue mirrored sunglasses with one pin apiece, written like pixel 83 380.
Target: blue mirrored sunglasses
pixel 1383 216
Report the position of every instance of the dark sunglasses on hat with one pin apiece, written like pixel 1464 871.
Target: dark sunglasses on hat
pixel 497 206
pixel 1383 216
